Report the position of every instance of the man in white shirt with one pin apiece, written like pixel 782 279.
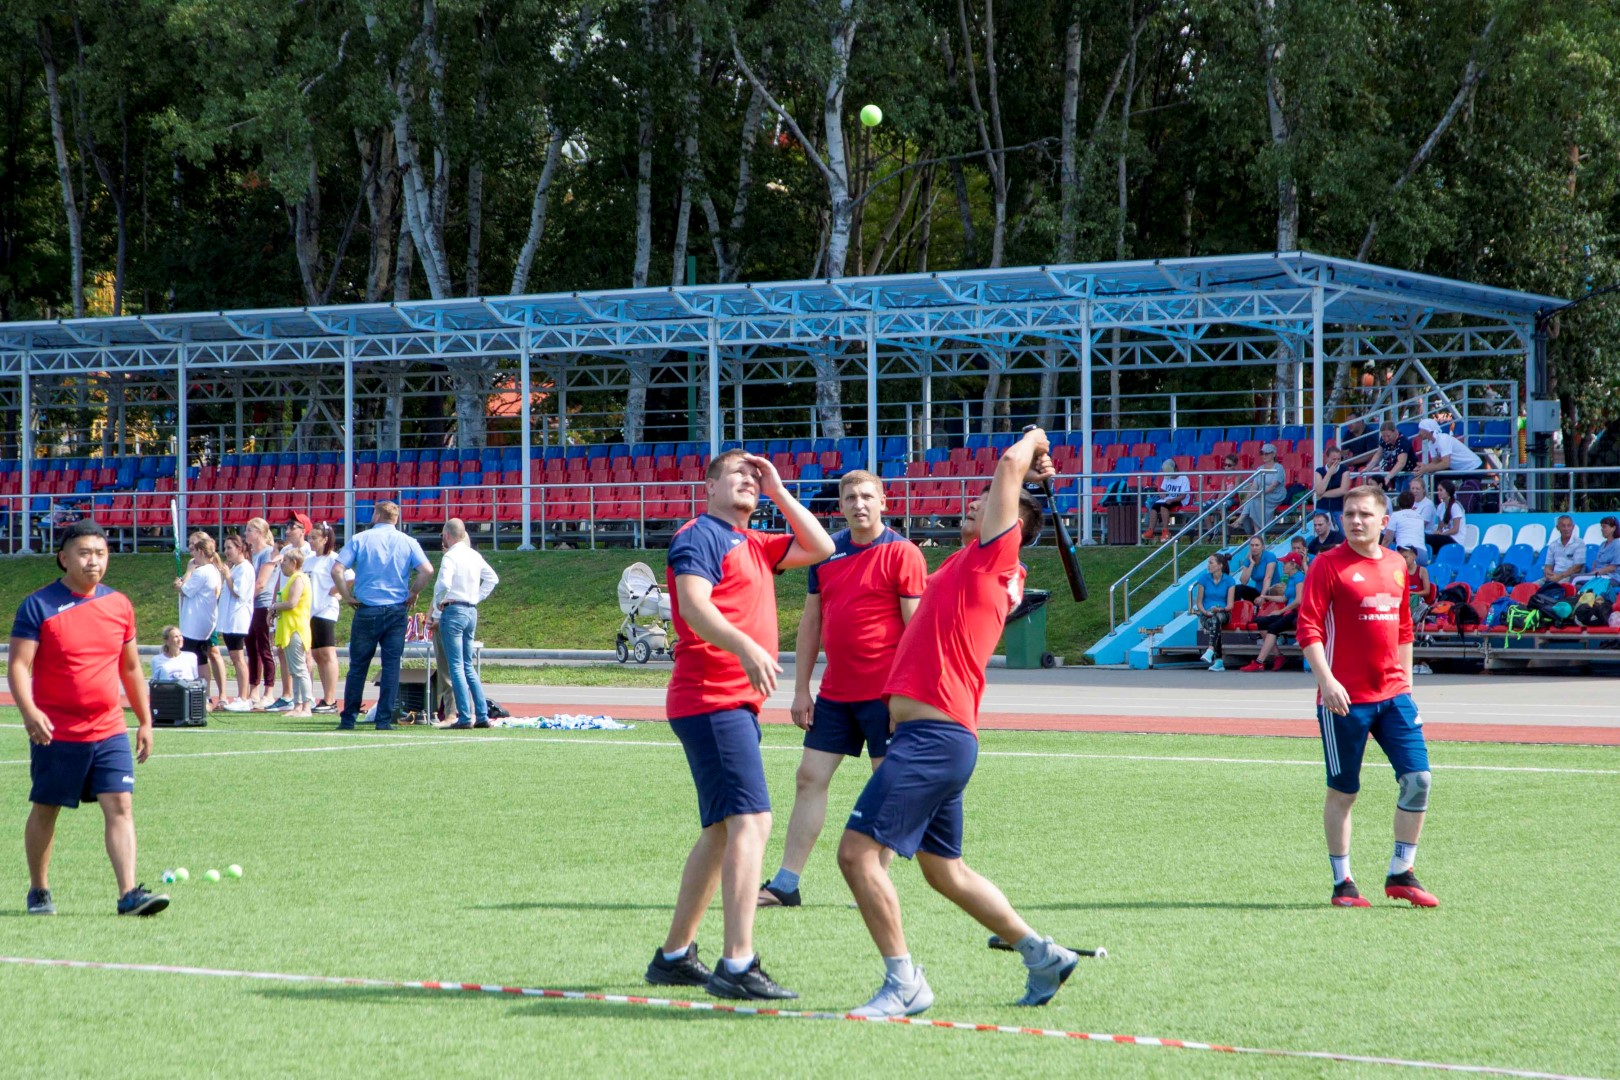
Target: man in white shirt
pixel 1566 553
pixel 464 581
pixel 1445 453
pixel 1406 528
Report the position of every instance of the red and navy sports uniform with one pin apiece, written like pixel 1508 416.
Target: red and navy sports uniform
pixel 914 802
pixel 80 645
pixel 1356 607
pixel 860 588
pixel 711 707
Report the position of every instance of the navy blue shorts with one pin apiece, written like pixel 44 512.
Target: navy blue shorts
pixel 722 750
pixel 1395 724
pixel 68 773
pixel 913 802
pixel 843 727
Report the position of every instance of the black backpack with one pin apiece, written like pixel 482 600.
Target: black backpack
pixel 1506 574
pixel 1455 594
pixel 1546 598
pixel 1594 612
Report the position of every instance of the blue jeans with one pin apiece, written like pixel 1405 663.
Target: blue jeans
pixel 382 625
pixel 458 625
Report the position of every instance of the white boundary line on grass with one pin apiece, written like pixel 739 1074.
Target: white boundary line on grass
pixel 374 742
pixel 789 1014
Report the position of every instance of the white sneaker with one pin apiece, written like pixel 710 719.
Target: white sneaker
pixel 1422 669
pixel 895 998
pixel 1209 655
pixel 238 705
pixel 1046 977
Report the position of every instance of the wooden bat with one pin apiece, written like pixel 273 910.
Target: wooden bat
pixel 1066 551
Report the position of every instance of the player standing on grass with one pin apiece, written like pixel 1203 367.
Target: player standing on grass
pixel 913 804
pixel 864 594
pixel 720 577
pixel 1356 630
pixel 72 645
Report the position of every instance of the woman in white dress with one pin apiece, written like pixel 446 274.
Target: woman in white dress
pixel 199 590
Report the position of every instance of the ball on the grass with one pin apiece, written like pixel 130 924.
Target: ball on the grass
pixel 168 877
pixel 871 115
pixel 182 874
pixel 212 875
pixel 234 870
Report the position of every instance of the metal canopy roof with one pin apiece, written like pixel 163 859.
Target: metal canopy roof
pixel 1172 298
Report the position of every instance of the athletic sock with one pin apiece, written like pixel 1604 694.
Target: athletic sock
pixel 901 968
pixel 785 880
pixel 1341 867
pixel 1405 855
pixel 671 957
pixel 1033 949
pixel 737 966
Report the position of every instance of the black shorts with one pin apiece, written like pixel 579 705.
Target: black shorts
pixel 198 648
pixel 234 642
pixel 322 633
pixel 843 727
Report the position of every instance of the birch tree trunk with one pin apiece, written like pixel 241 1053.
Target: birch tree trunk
pixel 727 245
pixel 644 157
pixel 64 171
pixel 1287 186
pixel 382 195
pixel 994 148
pixel 475 189
pixel 555 136
pixel 304 216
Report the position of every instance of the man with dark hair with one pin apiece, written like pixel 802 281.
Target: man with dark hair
pixel 723 602
pixel 1323 535
pixel 913 804
pixel 72 646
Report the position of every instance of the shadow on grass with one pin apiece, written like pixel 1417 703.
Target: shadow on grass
pixel 388 995
pixel 1170 905
pixel 571 905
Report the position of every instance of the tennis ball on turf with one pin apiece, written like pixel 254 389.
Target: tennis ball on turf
pixel 234 870
pixel 182 874
pixel 871 115
pixel 211 875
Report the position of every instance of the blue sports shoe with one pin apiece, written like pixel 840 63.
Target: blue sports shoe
pixel 140 902
pixel 1048 974
pixel 40 903
pixel 896 998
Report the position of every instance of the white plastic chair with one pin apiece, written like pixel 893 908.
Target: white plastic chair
pixel 1501 535
pixel 1534 534
pixel 1470 538
pixel 1594 534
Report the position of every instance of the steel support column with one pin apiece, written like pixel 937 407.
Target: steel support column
pixel 349 522
pixel 25 428
pixel 714 391
pixel 1316 374
pixel 928 404
pixel 1085 422
pixel 182 441
pixel 526 542
pixel 871 396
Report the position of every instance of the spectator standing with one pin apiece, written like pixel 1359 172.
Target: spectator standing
pixel 1449 518
pixel 199 589
pixel 1173 491
pixel 1406 528
pixel 293 630
pixel 1324 536
pixel 294 537
pixel 1257 570
pixel 1272 480
pixel 1566 553
pixel 464 581
pixel 1606 563
pixel 323 613
pixel 383 593
pixel 1211 597
pixel 235 618
pixel 174 663
pixel 1332 481
pixel 72 649
pixel 260 650
pixel 1391 456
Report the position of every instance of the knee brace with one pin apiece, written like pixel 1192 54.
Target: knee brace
pixel 1414 792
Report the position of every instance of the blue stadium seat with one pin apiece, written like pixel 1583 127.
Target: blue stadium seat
pixel 1239 434
pixel 1440 576
pixel 936 455
pixel 663 449
pixel 1472 576
pixel 801 446
pixel 822 446
pixel 364 457
pixel 892 448
pixel 1266 434
pixel 578 452
pixel 778 446
pixel 1156 435
pixel 1523 558
pixel 1451 555
pixel 730 444
pixel 329 457
pixel 1408 428
pixel 1296 432
pixel 472 479
pixel 853 459
pixel 306 460
pixel 978 441
pixel 1486 555
pixel 1001 440
pixel 617 451
pixel 450 479
pixel 893 470
pixel 408 457
pixel 1128 436
pixel 810 472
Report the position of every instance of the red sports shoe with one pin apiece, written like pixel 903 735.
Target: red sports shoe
pixel 1253 665
pixel 1405 886
pixel 1345 894
pixel 1277 662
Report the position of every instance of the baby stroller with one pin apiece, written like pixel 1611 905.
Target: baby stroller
pixel 640 597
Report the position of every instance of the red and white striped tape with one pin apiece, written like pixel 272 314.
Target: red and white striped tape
pixel 791 1014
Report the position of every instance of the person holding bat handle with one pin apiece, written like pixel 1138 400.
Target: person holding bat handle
pixel 913 804
pixel 1066 551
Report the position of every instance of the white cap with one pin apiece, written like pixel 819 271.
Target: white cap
pixel 1429 424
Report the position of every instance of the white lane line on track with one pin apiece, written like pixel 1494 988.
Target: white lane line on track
pixel 375 743
pixel 445 986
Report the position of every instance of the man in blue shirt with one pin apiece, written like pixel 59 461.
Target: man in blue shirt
pixel 383 593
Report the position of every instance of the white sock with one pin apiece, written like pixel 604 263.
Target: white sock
pixel 1033 949
pixel 737 966
pixel 1405 855
pixel 900 967
pixel 671 957
pixel 1341 867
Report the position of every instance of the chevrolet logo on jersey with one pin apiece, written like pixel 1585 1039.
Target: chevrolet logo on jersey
pixel 1384 606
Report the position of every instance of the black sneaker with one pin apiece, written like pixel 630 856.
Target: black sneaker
pixel 140 902
pixel 687 971
pixel 325 707
pixel 771 896
pixel 481 723
pixel 40 903
pixel 751 985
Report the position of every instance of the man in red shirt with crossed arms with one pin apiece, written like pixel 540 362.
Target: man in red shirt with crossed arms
pixel 864 594
pixel 72 646
pixel 721 577
pixel 913 804
pixel 1356 630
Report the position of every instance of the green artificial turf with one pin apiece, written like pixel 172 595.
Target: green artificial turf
pixel 550 860
pixel 568 599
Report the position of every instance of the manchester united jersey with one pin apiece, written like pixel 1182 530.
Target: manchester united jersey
pixel 1356 607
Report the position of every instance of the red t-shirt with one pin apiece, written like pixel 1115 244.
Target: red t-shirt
pixel 950 639
pixel 861 586
pixel 740 564
pixel 1357 608
pixel 81 643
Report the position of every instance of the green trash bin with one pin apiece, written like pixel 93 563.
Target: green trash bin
pixel 1025 633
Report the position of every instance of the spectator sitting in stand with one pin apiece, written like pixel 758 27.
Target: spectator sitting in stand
pixel 1323 535
pixel 1449 519
pixel 1391 457
pixel 1257 570
pixel 1211 597
pixel 1405 529
pixel 1606 563
pixel 1356 441
pixel 1229 484
pixel 1272 480
pixel 1333 479
pixel 1284 620
pixel 1566 553
pixel 174 663
pixel 1445 453
pixel 1420 593
pixel 1173 491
